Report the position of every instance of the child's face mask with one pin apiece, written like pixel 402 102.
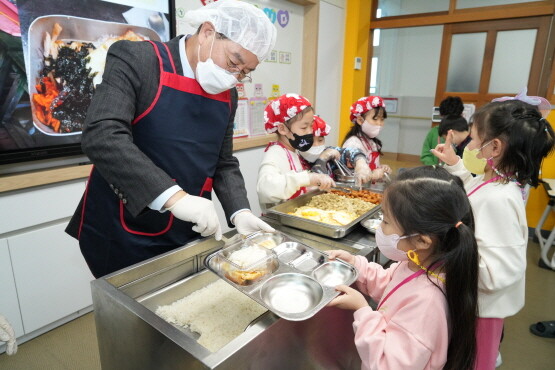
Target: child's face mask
pixel 471 161
pixel 313 153
pixel 301 142
pixel 370 130
pixel 387 244
pixel 212 78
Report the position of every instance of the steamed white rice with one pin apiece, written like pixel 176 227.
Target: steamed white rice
pixel 218 312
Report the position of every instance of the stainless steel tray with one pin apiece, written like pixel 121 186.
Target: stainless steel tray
pixel 74 29
pixel 299 283
pixel 281 213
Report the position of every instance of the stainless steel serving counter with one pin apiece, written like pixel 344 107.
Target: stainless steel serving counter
pixel 131 336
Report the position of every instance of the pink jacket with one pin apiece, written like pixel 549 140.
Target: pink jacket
pixel 410 330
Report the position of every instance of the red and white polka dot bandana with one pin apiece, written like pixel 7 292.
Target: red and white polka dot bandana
pixel 320 127
pixel 282 110
pixel 365 104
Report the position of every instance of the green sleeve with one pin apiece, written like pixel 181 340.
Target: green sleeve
pixel 430 142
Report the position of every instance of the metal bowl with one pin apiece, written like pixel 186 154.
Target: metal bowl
pixel 343 178
pixel 334 273
pixel 372 224
pixel 291 293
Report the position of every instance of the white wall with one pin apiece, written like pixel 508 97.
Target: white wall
pixel 408 69
pixel 328 95
pixel 330 65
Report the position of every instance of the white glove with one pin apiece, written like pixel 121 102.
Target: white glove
pixel 322 181
pixel 377 174
pixel 362 173
pixel 7 335
pixel 199 211
pixel 247 223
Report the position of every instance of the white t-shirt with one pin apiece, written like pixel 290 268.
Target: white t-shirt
pixel 501 231
pixel 276 180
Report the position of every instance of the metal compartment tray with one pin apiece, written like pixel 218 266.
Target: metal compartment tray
pixel 301 281
pixel 281 213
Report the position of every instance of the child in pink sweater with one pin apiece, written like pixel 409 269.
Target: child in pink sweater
pixel 427 307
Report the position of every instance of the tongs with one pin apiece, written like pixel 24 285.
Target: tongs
pixel 386 177
pixel 345 171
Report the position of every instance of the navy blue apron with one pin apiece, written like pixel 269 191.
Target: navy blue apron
pixel 181 132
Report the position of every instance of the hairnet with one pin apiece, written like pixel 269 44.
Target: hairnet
pixel 240 22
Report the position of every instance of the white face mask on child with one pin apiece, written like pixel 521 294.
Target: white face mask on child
pixel 371 130
pixel 313 153
pixel 212 78
pixel 387 244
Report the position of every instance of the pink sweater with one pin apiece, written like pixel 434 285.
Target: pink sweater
pixel 410 331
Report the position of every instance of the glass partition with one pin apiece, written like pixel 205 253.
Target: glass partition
pixel 519 67
pixel 465 62
pixel 390 8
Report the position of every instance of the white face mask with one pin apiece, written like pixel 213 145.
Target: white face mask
pixel 387 244
pixel 371 130
pixel 212 78
pixel 313 153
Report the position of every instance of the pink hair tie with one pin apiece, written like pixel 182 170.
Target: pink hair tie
pixel 458 224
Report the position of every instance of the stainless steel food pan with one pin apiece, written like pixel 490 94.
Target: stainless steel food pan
pixel 280 212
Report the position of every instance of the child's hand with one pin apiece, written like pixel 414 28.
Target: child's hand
pixel 445 152
pixel 344 255
pixel 386 169
pixel 362 172
pixel 377 174
pixel 330 154
pixel 322 181
pixel 351 299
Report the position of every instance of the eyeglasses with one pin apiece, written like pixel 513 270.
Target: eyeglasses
pixel 234 70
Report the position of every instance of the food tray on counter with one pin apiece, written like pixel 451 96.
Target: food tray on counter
pixel 281 213
pixel 290 278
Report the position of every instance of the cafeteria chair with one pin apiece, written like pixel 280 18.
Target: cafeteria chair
pixel 547 243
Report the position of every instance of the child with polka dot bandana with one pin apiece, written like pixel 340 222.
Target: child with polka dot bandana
pixel 321 157
pixel 283 174
pixel 368 116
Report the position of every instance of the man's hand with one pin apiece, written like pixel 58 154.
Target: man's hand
pixel 200 211
pixel 247 223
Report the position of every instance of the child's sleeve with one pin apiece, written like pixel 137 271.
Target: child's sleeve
pixel 276 182
pixel 350 156
pixel 372 277
pixel 458 169
pixel 427 158
pixel 354 142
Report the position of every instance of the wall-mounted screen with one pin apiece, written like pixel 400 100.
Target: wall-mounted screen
pixel 52 56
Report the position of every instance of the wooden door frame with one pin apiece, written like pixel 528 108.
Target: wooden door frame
pixel 542 24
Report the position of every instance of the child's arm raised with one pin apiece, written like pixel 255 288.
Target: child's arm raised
pixel 454 165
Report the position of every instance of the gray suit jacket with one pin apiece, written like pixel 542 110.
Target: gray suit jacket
pixel 129 85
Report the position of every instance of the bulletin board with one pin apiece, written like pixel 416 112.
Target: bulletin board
pixel 284 65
